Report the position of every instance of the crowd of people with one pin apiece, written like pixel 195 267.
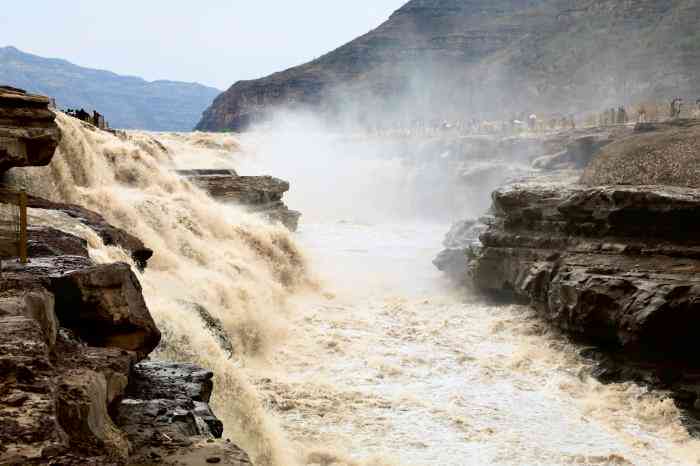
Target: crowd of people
pixel 525 122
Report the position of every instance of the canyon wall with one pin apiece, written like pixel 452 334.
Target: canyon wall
pixel 615 266
pixel 455 60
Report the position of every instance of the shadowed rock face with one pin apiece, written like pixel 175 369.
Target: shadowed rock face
pixel 260 194
pixel 111 235
pixel 71 333
pixel 28 133
pixel 496 56
pixel 616 266
pixel 611 263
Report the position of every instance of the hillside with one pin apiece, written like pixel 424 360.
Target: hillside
pixel 127 102
pixel 487 58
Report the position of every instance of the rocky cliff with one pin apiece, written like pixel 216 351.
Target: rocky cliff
pixel 481 58
pixel 126 102
pixel 28 133
pixel 259 194
pixel 76 387
pixel 613 265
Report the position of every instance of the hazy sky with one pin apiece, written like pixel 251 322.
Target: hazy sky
pixel 215 42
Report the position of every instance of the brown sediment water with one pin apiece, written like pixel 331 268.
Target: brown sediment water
pixel 349 347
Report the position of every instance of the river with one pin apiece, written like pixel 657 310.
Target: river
pixel 393 364
pixel 351 349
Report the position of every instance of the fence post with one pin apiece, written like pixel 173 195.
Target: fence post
pixel 23 238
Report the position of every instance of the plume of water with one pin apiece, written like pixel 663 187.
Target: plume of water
pixel 207 256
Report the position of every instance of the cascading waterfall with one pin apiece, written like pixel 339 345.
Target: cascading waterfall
pixel 238 268
pixel 388 365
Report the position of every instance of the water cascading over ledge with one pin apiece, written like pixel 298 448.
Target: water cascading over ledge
pixel 237 267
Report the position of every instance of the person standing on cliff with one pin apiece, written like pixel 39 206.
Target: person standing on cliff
pixel 642 115
pixel 696 110
pixel 676 107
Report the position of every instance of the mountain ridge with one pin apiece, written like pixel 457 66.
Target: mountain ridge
pixel 128 102
pixel 436 58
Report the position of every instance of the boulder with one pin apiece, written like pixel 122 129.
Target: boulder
pixel 170 398
pixel 104 306
pixel 28 133
pixel 82 411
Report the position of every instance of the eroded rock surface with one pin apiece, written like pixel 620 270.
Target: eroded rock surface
pixel 111 235
pixel 616 263
pixel 617 267
pixel 260 194
pixel 28 132
pixel 71 393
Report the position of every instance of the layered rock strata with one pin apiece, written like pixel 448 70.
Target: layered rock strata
pixel 28 132
pixel 614 266
pixel 75 388
pixel 260 194
pixel 72 390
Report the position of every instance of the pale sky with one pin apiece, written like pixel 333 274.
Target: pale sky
pixel 214 42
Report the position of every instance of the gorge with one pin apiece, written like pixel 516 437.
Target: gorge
pixel 297 292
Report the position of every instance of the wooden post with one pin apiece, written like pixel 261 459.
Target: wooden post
pixel 23 238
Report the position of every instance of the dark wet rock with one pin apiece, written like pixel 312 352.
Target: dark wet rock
pixel 460 243
pixel 260 194
pixel 28 133
pixel 215 326
pixel 104 306
pixel 208 172
pixel 614 266
pixel 47 241
pixel 168 399
pixel 166 416
pixel 612 263
pixel 111 235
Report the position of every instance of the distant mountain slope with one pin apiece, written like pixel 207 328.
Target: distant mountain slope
pixel 481 58
pixel 126 102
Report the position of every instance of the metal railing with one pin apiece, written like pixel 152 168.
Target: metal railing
pixel 13 225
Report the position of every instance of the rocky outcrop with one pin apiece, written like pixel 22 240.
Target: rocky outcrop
pixel 260 194
pixel 616 264
pixel 28 133
pixel 431 59
pixel 111 235
pixel 74 389
pixel 71 389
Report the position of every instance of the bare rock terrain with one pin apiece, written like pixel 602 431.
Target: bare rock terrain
pixel 614 265
pixel 76 387
pixel 260 194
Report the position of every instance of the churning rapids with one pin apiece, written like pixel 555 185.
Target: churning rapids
pixel 350 349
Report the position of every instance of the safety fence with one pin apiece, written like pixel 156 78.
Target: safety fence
pixel 13 225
